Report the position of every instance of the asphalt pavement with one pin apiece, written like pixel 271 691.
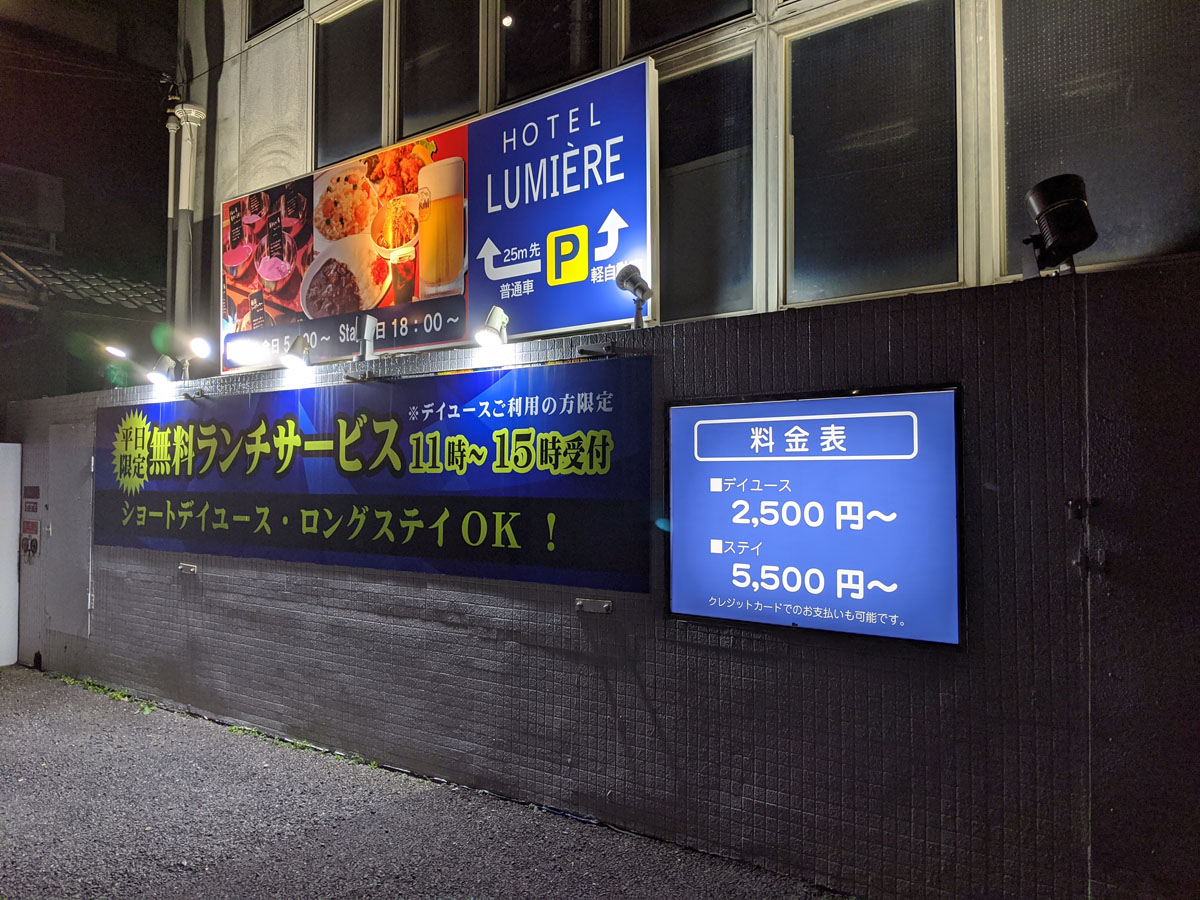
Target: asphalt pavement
pixel 105 797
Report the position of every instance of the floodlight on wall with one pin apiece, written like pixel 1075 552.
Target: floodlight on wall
pixel 630 279
pixel 494 330
pixel 1059 207
pixel 196 348
pixel 163 371
pixel 297 354
pixel 367 324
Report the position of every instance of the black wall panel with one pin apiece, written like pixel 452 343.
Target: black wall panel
pixel 880 767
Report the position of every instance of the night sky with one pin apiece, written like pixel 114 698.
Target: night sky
pixel 98 122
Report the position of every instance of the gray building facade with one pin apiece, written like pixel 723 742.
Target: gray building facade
pixel 1048 755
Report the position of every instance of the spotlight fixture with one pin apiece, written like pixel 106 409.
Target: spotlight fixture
pixel 118 352
pixel 494 330
pixel 367 324
pixel 1059 207
pixel 297 354
pixel 163 371
pixel 630 279
pixel 201 348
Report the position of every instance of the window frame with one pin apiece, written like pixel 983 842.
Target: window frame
pixel 331 13
pixel 809 17
pixel 391 115
pixel 392 88
pixel 740 25
pixel 695 54
pixel 249 40
pixel 766 33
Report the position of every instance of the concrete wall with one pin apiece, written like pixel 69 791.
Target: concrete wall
pixel 884 768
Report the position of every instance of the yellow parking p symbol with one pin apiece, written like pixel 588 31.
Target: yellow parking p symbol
pixel 567 253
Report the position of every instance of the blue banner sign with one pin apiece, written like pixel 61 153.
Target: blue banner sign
pixel 560 192
pixel 838 514
pixel 535 474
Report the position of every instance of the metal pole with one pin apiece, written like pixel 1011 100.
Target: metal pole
pixel 190 115
pixel 172 129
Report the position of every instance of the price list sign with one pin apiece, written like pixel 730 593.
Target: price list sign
pixel 835 513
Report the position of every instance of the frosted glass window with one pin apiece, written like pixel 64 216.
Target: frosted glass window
pixel 706 191
pixel 546 43
pixel 439 60
pixel 349 77
pixel 265 13
pixel 874 154
pixel 1106 90
pixel 653 23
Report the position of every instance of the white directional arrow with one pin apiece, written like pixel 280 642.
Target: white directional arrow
pixel 497 273
pixel 612 224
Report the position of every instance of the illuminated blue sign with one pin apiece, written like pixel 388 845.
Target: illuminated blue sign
pixel 838 514
pixel 560 200
pixel 534 474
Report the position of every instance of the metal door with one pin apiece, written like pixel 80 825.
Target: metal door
pixel 66 553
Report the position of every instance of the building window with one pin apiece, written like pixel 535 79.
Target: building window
pixel 349 84
pixel 874 155
pixel 439 63
pixel 706 191
pixel 1105 90
pixel 653 23
pixel 544 43
pixel 262 14
pixel 883 188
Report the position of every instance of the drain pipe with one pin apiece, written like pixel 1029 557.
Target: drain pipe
pixel 172 130
pixel 190 116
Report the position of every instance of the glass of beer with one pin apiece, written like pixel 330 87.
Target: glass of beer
pixel 442 263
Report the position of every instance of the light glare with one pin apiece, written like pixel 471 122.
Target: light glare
pixel 245 352
pixel 486 337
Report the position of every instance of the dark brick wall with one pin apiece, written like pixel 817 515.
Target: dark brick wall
pixel 1144 374
pixel 884 768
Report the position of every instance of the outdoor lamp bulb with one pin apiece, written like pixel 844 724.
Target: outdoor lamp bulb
pixel 297 354
pixel 245 352
pixel 118 352
pixel 494 330
pixel 201 348
pixel 163 370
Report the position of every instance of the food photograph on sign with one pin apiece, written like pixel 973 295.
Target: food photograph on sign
pixel 382 234
pixel 266 250
pixel 838 514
